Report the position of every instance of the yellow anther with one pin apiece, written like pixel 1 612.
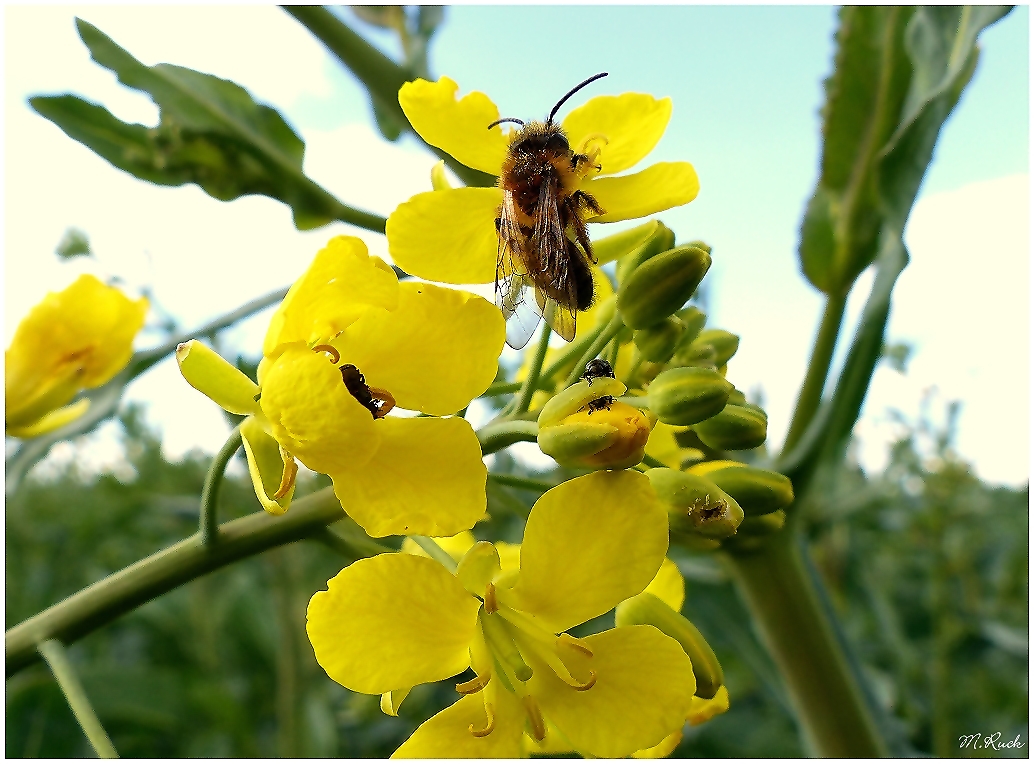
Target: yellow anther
pixel 538 724
pixel 587 685
pixel 578 644
pixel 477 684
pixel 490 713
pixel 289 474
pixel 329 350
pixel 491 605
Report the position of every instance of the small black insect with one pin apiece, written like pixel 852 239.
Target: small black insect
pixel 378 402
pixel 601 403
pixel 596 369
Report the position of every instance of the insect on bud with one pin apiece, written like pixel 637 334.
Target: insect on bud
pixel 695 504
pixel 688 395
pixel 758 491
pixel 736 428
pixel 210 373
pixel 658 343
pixel 661 285
pixel 649 609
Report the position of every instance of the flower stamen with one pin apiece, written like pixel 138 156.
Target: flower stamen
pixel 477 684
pixel 578 644
pixel 538 724
pixel 490 713
pixel 288 476
pixel 330 351
pixel 491 605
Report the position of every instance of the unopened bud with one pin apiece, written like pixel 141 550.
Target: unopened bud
pixel 649 609
pixel 658 343
pixel 762 525
pixel 725 345
pixel 207 371
pixel 701 245
pixel 735 428
pixel 694 319
pixel 606 434
pixel 688 395
pixel 758 491
pixel 661 285
pixel 695 504
pixel 577 397
pixel 661 239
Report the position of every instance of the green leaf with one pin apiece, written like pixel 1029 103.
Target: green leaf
pixel 211 132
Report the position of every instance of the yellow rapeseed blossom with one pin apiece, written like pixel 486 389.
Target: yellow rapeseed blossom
pixel 348 343
pixel 449 235
pixel 74 340
pixel 391 622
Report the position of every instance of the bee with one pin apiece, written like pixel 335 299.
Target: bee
pixel 544 258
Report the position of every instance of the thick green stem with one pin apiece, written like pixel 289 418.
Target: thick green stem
pixel 818 369
pixel 53 652
pixel 532 380
pixel 435 552
pixel 210 492
pixel 834 718
pixel 524 483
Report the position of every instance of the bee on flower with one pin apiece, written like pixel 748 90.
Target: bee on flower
pixel 529 235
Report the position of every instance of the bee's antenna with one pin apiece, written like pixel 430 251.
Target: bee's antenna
pixel 506 119
pixel 570 93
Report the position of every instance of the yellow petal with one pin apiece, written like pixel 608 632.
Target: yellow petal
pixel 74 339
pixel 435 353
pixel 632 123
pixel 52 420
pixel 313 415
pixel 265 465
pixel 662 445
pixel 659 187
pixel 447 236
pixel 668 585
pixel 662 750
pixel 644 688
pixel 447 735
pixel 212 375
pixel 427 478
pixel 458 127
pixel 589 544
pixel 342 282
pixel 391 621
pixel 704 710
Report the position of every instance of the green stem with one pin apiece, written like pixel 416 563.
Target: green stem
pixel 830 707
pixel 575 350
pixel 516 481
pixel 501 388
pixel 649 461
pixel 213 480
pixel 435 552
pixel 532 380
pixel 53 652
pixel 818 369
pixel 121 592
pixel 606 335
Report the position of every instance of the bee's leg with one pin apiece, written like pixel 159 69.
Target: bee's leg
pixel 581 198
pixel 581 231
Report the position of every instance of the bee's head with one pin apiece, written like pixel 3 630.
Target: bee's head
pixel 541 138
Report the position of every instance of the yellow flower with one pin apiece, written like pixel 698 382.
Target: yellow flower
pixel 449 235
pixel 348 343
pixel 391 622
pixel 74 340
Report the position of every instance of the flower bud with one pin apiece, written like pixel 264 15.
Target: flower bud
pixel 688 395
pixel 661 239
pixel 577 397
pixel 694 319
pixel 701 245
pixel 724 343
pixel 612 436
pixel 648 609
pixel 661 285
pixel 762 525
pixel 658 343
pixel 695 504
pixel 207 371
pixel 758 491
pixel 736 428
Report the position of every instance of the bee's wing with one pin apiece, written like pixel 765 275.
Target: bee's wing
pixel 548 238
pixel 513 286
pixel 560 319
